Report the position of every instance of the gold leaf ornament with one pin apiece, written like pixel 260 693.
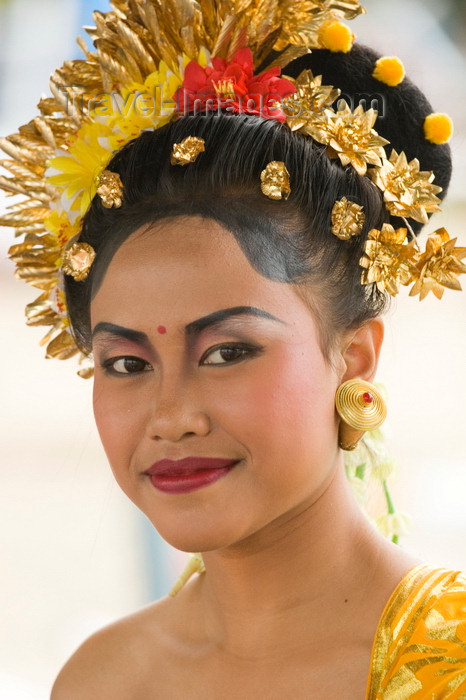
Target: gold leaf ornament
pixel 187 151
pixel 439 266
pixel 62 346
pixel 353 139
pixel 309 100
pixel 388 259
pixel 275 181
pixel 347 219
pixel 408 191
pixel 349 136
pixel 313 16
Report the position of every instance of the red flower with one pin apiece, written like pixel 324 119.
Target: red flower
pixel 233 87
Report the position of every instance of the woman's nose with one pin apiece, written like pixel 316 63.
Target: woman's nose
pixel 177 411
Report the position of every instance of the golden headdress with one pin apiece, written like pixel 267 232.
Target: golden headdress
pixel 55 160
pixel 58 160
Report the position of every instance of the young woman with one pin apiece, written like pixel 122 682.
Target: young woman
pixel 228 276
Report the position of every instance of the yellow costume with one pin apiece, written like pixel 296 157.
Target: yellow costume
pixel 419 651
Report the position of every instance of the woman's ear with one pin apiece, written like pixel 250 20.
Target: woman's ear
pixel 361 350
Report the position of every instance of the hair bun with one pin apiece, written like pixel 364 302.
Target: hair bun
pixel 402 108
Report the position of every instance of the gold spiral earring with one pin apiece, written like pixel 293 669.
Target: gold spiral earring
pixel 361 407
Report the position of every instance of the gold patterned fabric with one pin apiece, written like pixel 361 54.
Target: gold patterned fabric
pixel 419 651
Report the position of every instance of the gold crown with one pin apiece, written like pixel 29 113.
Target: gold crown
pixel 58 160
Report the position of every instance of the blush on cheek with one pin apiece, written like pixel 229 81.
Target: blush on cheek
pixel 113 421
pixel 300 397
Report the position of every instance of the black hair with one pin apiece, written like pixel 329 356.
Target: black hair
pixel 402 109
pixel 289 240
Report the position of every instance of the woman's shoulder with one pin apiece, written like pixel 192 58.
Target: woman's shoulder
pixel 421 639
pixel 113 662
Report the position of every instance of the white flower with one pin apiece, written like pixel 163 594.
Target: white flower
pixel 355 458
pixel 394 524
pixel 359 488
pixel 383 469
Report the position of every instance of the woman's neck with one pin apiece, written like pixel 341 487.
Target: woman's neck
pixel 320 564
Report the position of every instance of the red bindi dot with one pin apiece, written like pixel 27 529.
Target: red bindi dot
pixel 367 398
pixel 161 329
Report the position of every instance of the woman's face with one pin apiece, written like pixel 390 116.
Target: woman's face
pixel 220 363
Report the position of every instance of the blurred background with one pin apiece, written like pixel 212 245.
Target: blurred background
pixel 75 554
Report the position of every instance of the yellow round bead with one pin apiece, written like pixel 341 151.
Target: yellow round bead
pixel 389 70
pixel 336 36
pixel 438 128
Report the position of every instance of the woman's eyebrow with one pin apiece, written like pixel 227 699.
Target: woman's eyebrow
pixel 120 331
pixel 193 328
pixel 218 317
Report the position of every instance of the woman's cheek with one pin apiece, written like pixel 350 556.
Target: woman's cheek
pixel 116 421
pixel 282 398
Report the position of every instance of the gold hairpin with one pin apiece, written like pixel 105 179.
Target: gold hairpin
pixel 347 219
pixel 110 189
pixel 187 151
pixel 275 181
pixel 77 261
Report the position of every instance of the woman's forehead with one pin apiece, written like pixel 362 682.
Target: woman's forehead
pixel 173 250
pixel 183 269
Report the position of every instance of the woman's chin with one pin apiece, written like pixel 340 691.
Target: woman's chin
pixel 198 538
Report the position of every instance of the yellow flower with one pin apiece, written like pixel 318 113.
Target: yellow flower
pixel 81 164
pixel 58 304
pixel 62 229
pixel 119 118
pixel 148 105
pixel 144 106
pixel 439 266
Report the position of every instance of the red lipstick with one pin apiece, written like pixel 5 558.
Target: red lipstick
pixel 188 474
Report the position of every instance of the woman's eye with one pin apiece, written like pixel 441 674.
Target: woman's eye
pixel 126 365
pixel 226 354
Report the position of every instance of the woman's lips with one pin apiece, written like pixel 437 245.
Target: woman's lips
pixel 188 474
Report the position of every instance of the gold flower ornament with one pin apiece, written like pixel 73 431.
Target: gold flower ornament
pixel 388 259
pixel 275 181
pixel 439 266
pixel 408 191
